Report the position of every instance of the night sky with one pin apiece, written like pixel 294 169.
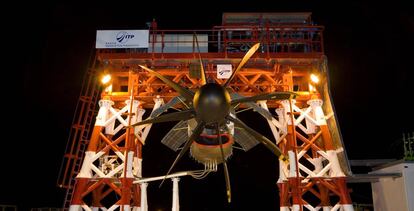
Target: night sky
pixel 369 47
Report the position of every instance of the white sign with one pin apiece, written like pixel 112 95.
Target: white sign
pixel 224 71
pixel 122 39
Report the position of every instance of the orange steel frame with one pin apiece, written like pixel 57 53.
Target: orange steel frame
pixel 128 193
pixel 277 66
pixel 327 190
pixel 248 82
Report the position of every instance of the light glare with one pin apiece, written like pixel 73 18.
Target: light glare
pixel 314 78
pixel 106 79
pixel 312 88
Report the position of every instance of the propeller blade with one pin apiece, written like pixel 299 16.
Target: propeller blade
pixel 267 96
pixel 227 178
pixel 174 101
pixel 203 73
pixel 196 132
pixel 226 170
pixel 265 113
pixel 187 94
pixel 176 116
pixel 262 139
pixel 246 58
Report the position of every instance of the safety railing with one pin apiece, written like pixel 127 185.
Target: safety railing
pixel 8 207
pixel 274 39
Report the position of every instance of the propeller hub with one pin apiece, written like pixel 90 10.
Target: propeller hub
pixel 212 103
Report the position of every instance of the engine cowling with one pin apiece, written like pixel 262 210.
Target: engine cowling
pixel 206 148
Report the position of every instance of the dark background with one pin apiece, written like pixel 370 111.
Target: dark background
pixel 369 46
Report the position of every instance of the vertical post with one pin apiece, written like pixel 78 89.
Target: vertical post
pixel 162 44
pixel 194 43
pixel 282 182
pixel 137 171
pixel 268 41
pixel 218 40
pixel 324 192
pixel 96 198
pixel 154 36
pixel 80 187
pixel 406 142
pixel 294 180
pixel 322 50
pixel 283 195
pixel 335 172
pixel 225 42
pixel 85 174
pixel 127 179
pixel 410 146
pixel 345 199
pixel 144 203
pixel 175 200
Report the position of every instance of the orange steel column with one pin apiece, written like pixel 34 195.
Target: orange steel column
pixel 136 188
pixel 110 166
pixel 127 178
pixel 336 173
pixel 294 178
pixel 282 183
pixel 82 180
pixel 313 168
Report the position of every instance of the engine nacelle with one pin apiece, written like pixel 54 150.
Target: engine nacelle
pixel 206 148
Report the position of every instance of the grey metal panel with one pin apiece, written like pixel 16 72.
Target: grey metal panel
pixel 243 138
pixel 332 122
pixel 176 136
pixel 371 177
pixel 371 162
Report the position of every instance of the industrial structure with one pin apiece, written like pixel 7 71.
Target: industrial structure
pixel 102 167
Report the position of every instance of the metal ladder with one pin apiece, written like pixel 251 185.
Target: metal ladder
pixel 80 133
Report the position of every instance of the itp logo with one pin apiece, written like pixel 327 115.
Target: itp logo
pixel 224 71
pixel 123 37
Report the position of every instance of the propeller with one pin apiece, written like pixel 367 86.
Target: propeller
pixel 262 139
pixel 196 132
pixel 213 93
pixel 226 170
pixel 246 58
pixel 187 94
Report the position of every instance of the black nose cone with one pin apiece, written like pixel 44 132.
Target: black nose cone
pixel 212 103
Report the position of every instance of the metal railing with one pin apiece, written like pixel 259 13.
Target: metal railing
pixel 8 207
pixel 274 39
pixel 408 143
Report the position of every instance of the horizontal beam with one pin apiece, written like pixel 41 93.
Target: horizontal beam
pixel 370 163
pixel 368 178
pixel 151 179
pixel 215 56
